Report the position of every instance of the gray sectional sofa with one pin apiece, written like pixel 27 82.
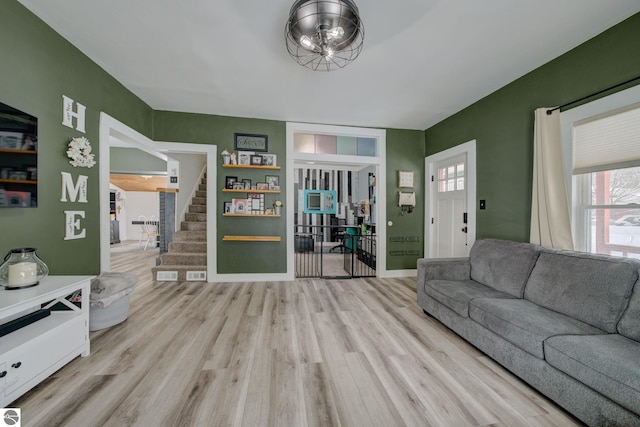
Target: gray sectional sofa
pixel 566 322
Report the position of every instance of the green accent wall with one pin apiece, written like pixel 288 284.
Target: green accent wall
pixel 39 66
pixel 135 161
pixel 236 257
pixel 405 238
pixel 502 123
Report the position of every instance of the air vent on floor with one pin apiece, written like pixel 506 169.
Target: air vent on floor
pixel 167 276
pixel 196 276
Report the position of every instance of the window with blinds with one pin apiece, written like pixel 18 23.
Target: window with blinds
pixel 605 142
pixel 606 155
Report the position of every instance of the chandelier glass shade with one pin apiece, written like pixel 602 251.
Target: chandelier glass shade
pixel 324 34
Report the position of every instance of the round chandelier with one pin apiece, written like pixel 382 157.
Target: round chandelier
pixel 324 34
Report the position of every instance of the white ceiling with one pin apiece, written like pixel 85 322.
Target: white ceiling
pixel 422 61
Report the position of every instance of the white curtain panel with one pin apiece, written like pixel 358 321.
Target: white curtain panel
pixel 550 220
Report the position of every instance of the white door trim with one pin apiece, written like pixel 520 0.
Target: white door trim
pixel 468 148
pixel 381 181
pixel 112 128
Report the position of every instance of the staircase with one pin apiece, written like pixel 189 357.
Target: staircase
pixel 186 259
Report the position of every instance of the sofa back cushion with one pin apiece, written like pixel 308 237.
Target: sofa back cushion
pixel 629 325
pixel 592 288
pixel 503 265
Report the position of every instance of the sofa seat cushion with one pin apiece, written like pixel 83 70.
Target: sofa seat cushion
pixel 589 287
pixel 524 324
pixel 609 364
pixel 502 264
pixel 456 294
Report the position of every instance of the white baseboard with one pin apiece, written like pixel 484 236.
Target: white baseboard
pixel 401 273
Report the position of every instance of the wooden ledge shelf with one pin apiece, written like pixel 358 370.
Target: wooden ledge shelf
pixel 251 238
pixel 9 150
pixel 252 215
pixel 229 190
pixel 275 168
pixel 18 181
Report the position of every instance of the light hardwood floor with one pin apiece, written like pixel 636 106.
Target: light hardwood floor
pixel 305 353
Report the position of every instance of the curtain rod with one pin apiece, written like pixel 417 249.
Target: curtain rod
pixel 592 95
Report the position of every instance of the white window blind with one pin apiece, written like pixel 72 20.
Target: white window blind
pixel 607 142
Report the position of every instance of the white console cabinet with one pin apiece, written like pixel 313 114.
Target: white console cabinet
pixel 32 353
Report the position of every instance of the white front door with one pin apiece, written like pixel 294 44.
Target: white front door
pixel 449 210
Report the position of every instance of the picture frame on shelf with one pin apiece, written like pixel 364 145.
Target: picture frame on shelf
pixel 273 181
pixel 269 160
pixel 227 208
pixel 246 183
pixel 251 142
pixel 229 181
pixel 238 185
pixel 256 160
pixel 255 203
pixel 239 206
pixel 261 186
pixel 244 157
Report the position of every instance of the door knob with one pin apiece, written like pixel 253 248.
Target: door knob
pixel 464 229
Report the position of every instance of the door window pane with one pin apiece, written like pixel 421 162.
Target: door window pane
pixel 451 178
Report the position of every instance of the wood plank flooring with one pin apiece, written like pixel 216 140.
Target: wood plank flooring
pixel 305 353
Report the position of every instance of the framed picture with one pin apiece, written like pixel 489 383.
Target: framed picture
pixel 256 160
pixel 228 208
pixel 273 181
pixel 239 206
pixel 405 179
pixel 238 186
pixel 244 157
pixel 269 160
pixel 262 186
pixel 256 203
pixel 229 181
pixel 246 183
pixel 251 142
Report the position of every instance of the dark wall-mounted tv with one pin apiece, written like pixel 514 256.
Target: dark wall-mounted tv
pixel 18 158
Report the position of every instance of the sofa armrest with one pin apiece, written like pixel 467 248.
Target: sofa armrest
pixel 443 269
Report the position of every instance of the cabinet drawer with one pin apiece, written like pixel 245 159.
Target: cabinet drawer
pixel 34 357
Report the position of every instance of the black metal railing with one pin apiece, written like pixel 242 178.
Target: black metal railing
pixel 332 251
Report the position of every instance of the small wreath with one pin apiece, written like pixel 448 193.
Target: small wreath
pixel 80 153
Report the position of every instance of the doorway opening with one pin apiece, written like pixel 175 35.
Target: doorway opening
pixel 335 221
pixel 450 211
pixel 112 129
pixel 338 173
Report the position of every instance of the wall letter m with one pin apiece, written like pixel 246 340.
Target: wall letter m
pixel 80 188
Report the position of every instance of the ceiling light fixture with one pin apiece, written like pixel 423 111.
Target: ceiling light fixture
pixel 324 34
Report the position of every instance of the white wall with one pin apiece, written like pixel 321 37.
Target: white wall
pixel 191 166
pixel 137 203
